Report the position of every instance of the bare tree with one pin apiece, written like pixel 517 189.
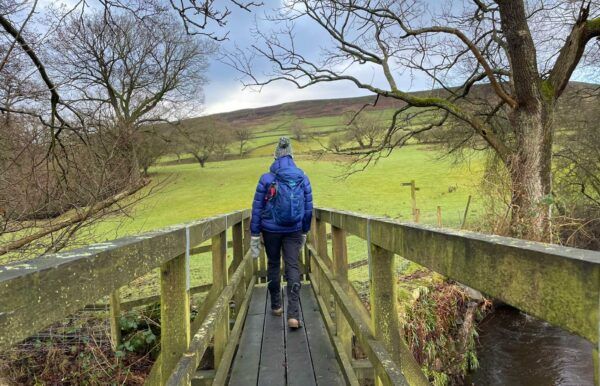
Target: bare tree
pixel 578 175
pixel 151 146
pixel 71 114
pixel 243 135
pixel 298 130
pixel 366 130
pixel 121 69
pixel 524 53
pixel 204 138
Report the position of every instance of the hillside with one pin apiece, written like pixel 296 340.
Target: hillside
pixel 334 107
pixel 323 118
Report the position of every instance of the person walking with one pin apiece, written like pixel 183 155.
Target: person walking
pixel 282 213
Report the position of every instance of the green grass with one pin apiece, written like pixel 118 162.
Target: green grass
pixel 189 193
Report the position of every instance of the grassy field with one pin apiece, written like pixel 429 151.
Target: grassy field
pixel 189 192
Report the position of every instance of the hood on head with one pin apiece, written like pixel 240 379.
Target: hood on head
pixel 282 162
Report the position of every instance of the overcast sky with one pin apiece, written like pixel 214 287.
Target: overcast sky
pixel 226 93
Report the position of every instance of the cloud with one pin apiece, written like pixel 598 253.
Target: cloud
pixel 218 100
pixel 225 93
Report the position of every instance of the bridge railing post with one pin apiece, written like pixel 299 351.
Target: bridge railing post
pixel 237 233
pixel 175 314
pixel 340 269
pixel 220 280
pixel 384 312
pixel 321 238
pixel 115 317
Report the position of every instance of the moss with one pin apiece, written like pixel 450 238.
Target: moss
pixel 593 24
pixel 547 90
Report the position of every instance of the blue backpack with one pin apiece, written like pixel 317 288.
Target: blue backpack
pixel 288 202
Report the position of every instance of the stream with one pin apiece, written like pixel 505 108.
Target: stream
pixel 517 349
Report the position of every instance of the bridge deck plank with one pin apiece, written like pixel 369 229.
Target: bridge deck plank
pixel 300 370
pixel 245 368
pixel 271 354
pixel 327 369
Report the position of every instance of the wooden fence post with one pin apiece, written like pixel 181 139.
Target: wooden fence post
pixel 439 216
pixel 384 312
pixel 115 316
pixel 413 197
pixel 340 269
pixel 174 314
pixel 220 279
pixel 464 221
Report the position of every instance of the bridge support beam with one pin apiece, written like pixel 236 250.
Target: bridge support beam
pixel 174 314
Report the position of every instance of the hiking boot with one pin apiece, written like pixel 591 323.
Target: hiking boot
pixel 293 323
pixel 277 311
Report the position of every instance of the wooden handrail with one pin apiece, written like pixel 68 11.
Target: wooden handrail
pixel 558 284
pixel 387 367
pixel 57 285
pixel 209 325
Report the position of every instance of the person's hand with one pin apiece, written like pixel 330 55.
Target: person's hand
pixel 303 239
pixel 255 246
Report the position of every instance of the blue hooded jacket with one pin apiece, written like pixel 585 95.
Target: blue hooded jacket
pixel 259 223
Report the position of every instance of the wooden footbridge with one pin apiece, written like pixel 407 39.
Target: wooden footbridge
pixel 248 345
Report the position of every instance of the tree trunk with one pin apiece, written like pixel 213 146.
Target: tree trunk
pixel 530 172
pixel 360 142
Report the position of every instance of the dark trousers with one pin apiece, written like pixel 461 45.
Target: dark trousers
pixel 290 244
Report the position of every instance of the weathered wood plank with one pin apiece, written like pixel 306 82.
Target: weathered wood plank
pixel 246 224
pixel 203 378
pixel 325 366
pixel 340 267
pixel 297 354
pixel 237 233
pixel 184 371
pixel 56 285
pixel 226 360
pixel 558 284
pixel 174 314
pixel 115 318
pixel 384 306
pixel 247 360
pixel 272 359
pixel 130 304
pixel 206 248
pixel 220 279
pixel 376 352
pixel 321 238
